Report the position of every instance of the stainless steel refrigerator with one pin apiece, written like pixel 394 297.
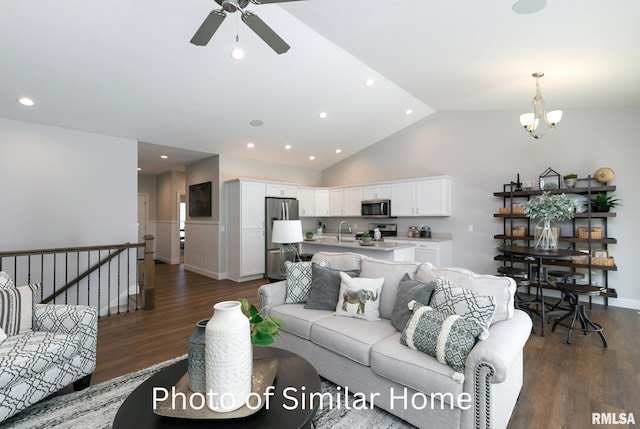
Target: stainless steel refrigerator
pixel 277 209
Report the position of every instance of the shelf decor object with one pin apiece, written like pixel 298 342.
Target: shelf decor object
pixel 549 179
pixel 549 208
pixel 538 115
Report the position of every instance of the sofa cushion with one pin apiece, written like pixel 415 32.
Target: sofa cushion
pixel 449 338
pixel 427 272
pixel 340 261
pixel 299 280
pixel 359 297
pixel 5 281
pixel 392 360
pixel 16 308
pixel 22 356
pixel 325 287
pixel 350 337
pixel 297 319
pixel 502 289
pixel 452 299
pixel 392 273
pixel 409 290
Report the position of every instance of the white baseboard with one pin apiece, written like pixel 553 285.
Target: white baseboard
pixel 206 273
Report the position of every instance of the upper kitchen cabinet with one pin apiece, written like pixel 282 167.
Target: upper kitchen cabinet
pixel 336 202
pixel 307 202
pixel 251 203
pixel 353 197
pixel 284 190
pixel 378 191
pixel 322 202
pixel 421 197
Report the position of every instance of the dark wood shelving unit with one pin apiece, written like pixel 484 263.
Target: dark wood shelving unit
pixel 512 198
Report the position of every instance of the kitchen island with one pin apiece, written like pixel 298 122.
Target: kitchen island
pixel 384 250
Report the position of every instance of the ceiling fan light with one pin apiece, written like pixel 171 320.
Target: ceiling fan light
pixel 554 117
pixel 237 53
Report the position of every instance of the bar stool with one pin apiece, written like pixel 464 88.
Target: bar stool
pixel 577 311
pixel 564 277
pixel 521 277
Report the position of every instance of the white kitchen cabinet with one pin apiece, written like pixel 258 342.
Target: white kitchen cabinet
pixel 322 202
pixel 403 199
pixel 378 191
pixel 253 253
pixel 433 197
pixel 245 229
pixel 352 201
pixel 284 190
pixel 422 197
pixel 436 252
pixel 306 202
pixel 336 202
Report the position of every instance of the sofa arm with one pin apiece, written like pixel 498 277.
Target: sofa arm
pixel 71 319
pixel 272 294
pixel 504 344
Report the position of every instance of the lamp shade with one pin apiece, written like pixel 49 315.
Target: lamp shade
pixel 287 231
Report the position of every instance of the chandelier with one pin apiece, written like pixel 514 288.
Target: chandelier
pixel 531 121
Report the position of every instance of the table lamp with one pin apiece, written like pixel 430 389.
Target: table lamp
pixel 288 233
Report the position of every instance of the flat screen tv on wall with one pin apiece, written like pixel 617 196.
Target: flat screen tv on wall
pixel 200 200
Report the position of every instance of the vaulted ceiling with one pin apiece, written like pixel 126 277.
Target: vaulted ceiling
pixel 126 68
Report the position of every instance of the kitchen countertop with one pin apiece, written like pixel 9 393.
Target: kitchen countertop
pixel 433 239
pixel 331 241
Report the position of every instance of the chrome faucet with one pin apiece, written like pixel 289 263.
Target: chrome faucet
pixel 340 230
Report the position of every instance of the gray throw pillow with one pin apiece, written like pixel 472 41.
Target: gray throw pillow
pixel 325 287
pixel 409 290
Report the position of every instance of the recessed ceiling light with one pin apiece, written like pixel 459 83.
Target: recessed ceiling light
pixel 408 112
pixel 164 156
pixel 287 147
pixel 26 101
pixel 250 145
pixel 312 157
pixel 323 115
pixel 369 82
pixel 256 123
pixel 338 150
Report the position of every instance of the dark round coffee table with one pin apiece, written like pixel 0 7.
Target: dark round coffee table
pixel 293 371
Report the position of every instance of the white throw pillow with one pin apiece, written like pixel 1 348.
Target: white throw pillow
pixel 16 309
pixel 299 277
pixel 3 336
pixel 359 297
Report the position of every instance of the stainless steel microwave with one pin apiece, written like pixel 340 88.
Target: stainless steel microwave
pixel 376 208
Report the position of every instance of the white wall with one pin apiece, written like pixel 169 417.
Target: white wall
pixel 483 150
pixel 65 188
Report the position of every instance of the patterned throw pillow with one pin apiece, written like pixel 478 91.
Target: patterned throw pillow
pixel 16 309
pixel 359 297
pixel 449 338
pixel 299 280
pixel 5 281
pixel 3 336
pixel 452 299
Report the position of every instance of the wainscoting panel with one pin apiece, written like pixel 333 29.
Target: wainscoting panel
pixel 201 248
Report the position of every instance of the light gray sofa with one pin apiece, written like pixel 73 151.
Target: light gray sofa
pixel 367 356
pixel 60 350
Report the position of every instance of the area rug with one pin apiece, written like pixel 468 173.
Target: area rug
pixel 96 407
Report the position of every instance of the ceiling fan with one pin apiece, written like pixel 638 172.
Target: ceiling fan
pixel 215 18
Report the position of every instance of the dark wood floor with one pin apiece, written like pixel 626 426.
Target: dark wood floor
pixel 563 383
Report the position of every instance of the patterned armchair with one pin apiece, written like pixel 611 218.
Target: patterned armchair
pixel 60 350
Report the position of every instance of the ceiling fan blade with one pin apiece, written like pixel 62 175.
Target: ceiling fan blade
pixel 267 34
pixel 208 28
pixel 270 1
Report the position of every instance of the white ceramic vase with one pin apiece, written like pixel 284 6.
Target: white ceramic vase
pixel 228 358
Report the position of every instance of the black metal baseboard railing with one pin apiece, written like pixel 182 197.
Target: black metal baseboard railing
pixel 114 278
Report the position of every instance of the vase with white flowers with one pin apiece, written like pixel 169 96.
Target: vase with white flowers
pixel 549 208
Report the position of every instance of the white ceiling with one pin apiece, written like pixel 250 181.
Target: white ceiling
pixel 126 68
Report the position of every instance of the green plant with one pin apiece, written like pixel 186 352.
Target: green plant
pixel 550 207
pixel 571 176
pixel 366 234
pixel 308 234
pixel 262 329
pixel 604 200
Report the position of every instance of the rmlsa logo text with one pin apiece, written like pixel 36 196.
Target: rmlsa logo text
pixel 613 419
